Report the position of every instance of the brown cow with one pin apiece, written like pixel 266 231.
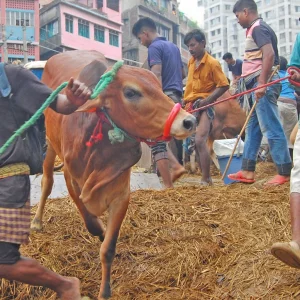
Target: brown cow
pixel 229 119
pixel 97 177
pixel 228 122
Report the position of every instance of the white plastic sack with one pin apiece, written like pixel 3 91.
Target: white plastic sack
pixel 225 147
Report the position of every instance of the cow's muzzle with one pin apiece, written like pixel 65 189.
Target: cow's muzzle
pixel 184 126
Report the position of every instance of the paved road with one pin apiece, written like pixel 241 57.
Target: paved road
pixel 137 181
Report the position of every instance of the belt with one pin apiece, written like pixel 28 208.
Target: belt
pixel 171 92
pixel 287 100
pixel 14 169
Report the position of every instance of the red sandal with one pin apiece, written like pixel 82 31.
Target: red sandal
pixel 239 177
pixel 278 180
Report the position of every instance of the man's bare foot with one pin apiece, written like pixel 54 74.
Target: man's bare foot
pixel 176 174
pixel 70 289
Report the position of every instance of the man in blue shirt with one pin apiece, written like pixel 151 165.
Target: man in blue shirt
pixel 165 62
pixel 289 252
pixel 234 66
pixel 287 106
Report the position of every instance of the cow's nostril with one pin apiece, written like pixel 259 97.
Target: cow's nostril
pixel 189 123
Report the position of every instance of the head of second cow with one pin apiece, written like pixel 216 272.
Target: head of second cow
pixel 98 177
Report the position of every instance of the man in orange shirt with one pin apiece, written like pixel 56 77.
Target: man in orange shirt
pixel 206 82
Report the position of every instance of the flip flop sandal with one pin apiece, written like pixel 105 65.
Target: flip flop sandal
pixel 289 253
pixel 277 180
pixel 239 177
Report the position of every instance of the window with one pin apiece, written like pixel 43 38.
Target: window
pixel 43 33
pixel 52 28
pixel 215 9
pixel 297 8
pixel 219 31
pixel 213 33
pixel 19 18
pixel 99 4
pixel 83 28
pixel 281 24
pixel 131 57
pixel 113 4
pixel 282 37
pixel 163 31
pixel 267 1
pixel 183 45
pixel 99 33
pixel 258 3
pixel 114 38
pixel 69 23
pixel 268 14
pixel 49 30
pixel 164 3
pixel 297 22
pixel 282 51
pixel 227 6
pixel 281 11
pixel 215 21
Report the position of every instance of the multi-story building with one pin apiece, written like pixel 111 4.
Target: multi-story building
pixel 226 35
pixel 83 25
pixel 216 14
pixel 170 23
pixel 19 30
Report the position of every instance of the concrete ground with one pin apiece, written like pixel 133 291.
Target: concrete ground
pixel 138 181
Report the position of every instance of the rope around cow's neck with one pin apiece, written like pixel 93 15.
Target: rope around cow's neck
pixel 104 81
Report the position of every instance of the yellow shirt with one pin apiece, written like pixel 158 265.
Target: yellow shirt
pixel 204 79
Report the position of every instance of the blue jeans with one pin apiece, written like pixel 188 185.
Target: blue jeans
pixel 265 121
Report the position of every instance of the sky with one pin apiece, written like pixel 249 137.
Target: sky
pixel 192 11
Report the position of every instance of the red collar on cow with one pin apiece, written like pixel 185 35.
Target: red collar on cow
pixel 117 135
pixel 167 130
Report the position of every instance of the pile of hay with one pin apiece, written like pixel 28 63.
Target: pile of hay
pixel 192 243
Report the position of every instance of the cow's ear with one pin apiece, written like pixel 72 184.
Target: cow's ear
pixel 91 105
pixel 91 73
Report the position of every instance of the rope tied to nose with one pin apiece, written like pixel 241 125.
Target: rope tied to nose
pixel 104 81
pixel 289 70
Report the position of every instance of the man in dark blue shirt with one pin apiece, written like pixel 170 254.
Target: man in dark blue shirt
pixel 234 65
pixel 165 62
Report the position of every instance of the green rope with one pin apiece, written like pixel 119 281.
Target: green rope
pixel 116 135
pixel 104 81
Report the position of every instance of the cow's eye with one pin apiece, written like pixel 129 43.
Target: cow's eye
pixel 131 94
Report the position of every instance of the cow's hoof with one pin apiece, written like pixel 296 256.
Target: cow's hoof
pixel 36 225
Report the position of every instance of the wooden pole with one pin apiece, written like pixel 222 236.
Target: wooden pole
pixel 244 127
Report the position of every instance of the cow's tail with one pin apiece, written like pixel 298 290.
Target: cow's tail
pixel 57 168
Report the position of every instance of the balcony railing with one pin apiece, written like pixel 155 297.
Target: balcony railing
pixel 168 13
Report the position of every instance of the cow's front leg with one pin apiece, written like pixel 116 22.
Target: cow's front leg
pixel 93 224
pixel 47 184
pixel 117 211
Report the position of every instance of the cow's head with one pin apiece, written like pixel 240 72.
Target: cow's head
pixel 136 103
